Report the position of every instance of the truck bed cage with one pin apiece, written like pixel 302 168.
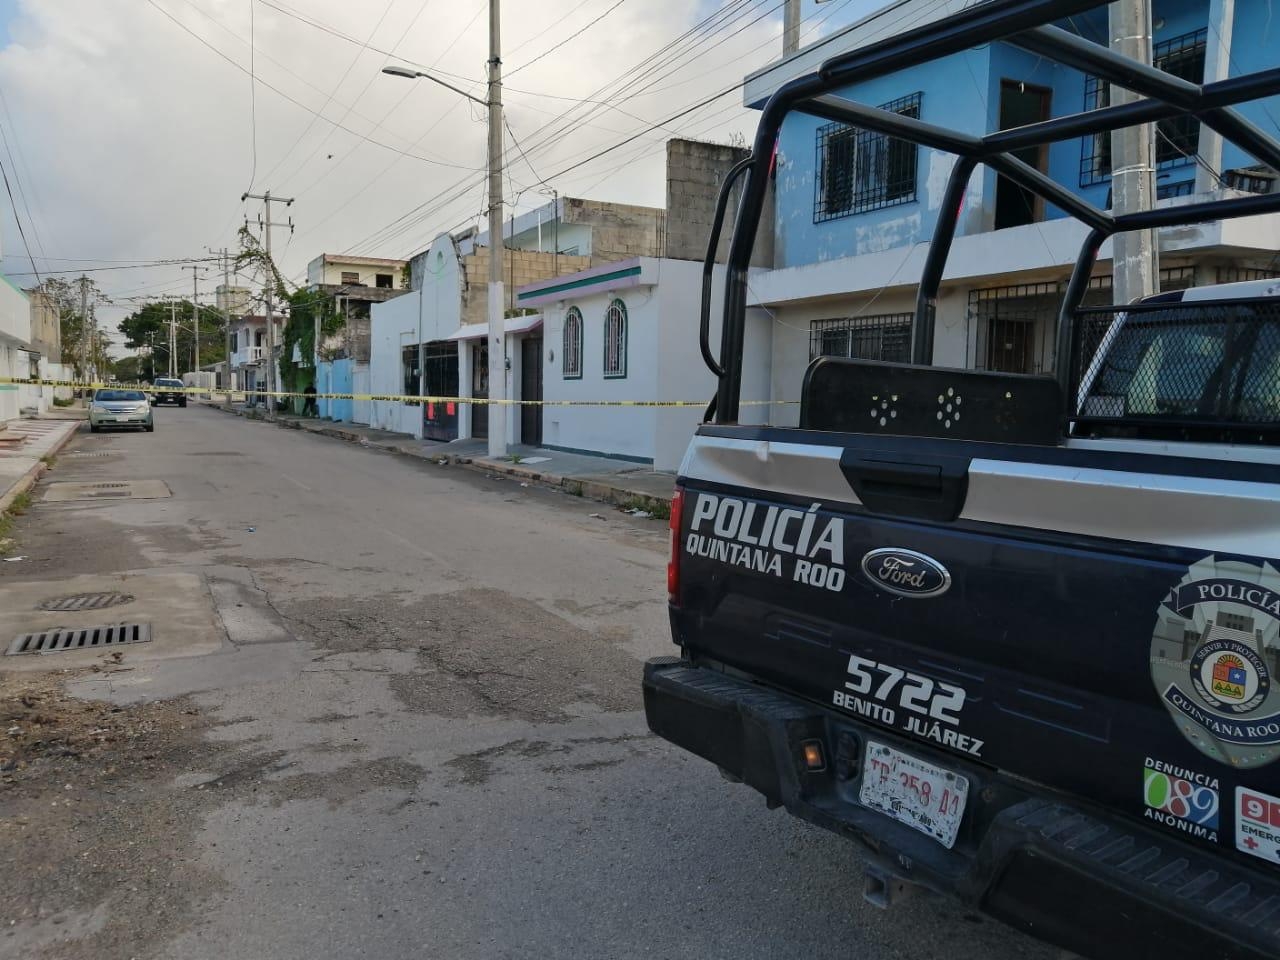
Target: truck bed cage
pixel 1027 24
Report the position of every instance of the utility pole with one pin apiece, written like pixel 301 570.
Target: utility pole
pixel 266 225
pixel 84 328
pixel 226 315
pixel 173 338
pixel 790 26
pixel 1133 253
pixel 195 320
pixel 497 253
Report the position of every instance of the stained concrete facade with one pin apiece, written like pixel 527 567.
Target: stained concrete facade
pixel 695 173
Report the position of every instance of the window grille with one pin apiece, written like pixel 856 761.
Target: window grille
pixel 1177 138
pixel 571 353
pixel 1250 179
pixel 1237 274
pixel 1013 329
pixel 350 277
pixel 860 170
pixel 881 337
pixel 615 340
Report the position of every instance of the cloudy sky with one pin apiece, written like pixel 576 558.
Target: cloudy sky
pixel 132 127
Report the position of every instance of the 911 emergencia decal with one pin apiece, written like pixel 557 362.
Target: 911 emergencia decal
pixel 1215 656
pixel 798 545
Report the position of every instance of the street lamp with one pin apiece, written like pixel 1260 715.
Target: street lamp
pixel 409 74
pixel 497 296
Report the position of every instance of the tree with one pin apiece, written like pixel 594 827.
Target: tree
pixel 147 328
pixel 65 297
pixel 131 369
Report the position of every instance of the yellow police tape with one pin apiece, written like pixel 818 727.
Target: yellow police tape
pixel 385 397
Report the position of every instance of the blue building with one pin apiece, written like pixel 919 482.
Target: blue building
pixel 855 209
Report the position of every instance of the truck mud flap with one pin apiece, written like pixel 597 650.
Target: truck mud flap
pixel 1092 884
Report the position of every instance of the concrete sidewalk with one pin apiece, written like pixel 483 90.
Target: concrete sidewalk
pixel 598 478
pixel 21 462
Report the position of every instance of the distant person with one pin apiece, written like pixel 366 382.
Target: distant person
pixel 309 407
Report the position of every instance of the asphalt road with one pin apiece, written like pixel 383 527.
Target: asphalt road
pixel 430 745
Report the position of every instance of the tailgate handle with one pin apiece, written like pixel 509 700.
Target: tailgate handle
pixel 927 491
pixel 919 479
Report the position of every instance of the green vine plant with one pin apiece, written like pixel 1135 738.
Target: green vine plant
pixel 300 307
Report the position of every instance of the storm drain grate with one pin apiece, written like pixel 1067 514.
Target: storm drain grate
pixel 84 601
pixel 89 638
pixel 107 486
pixel 110 493
pixel 95 453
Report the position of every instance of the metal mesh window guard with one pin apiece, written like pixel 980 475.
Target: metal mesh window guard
pixel 571 351
pixel 1177 138
pixel 615 340
pixel 861 170
pixel 1207 363
pixel 880 337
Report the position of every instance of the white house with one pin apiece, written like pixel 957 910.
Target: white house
pixel 629 332
pixel 412 331
pixel 16 351
pixel 249 351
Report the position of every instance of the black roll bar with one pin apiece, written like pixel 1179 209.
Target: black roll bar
pixel 1025 23
pixel 709 263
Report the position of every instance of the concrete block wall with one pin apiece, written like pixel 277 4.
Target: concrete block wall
pixel 523 267
pixel 619 231
pixel 695 171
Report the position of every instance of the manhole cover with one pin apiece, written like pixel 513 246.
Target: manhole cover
pixel 90 638
pixel 84 601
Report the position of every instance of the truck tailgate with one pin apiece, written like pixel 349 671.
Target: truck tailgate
pixel 1104 623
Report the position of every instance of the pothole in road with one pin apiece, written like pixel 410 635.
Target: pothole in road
pixel 84 601
pixel 482 652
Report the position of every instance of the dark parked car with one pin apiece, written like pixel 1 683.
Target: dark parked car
pixel 168 390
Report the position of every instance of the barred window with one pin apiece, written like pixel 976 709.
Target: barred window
pixel 571 354
pixel 860 170
pixel 615 340
pixel 882 337
pixel 1177 138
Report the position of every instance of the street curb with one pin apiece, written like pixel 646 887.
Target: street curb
pixel 571 486
pixel 28 479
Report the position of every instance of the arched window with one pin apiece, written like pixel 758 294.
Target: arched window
pixel 615 340
pixel 571 355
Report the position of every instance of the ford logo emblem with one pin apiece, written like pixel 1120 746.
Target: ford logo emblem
pixel 906 573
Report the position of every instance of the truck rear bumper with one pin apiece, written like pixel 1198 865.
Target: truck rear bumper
pixel 1095 884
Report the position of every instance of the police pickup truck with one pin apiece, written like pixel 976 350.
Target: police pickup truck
pixel 1018 635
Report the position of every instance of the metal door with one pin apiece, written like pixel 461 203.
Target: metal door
pixel 441 419
pixel 531 389
pixel 480 389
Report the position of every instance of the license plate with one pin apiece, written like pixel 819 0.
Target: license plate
pixel 922 795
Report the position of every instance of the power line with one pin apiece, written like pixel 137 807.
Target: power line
pixel 18 220
pixel 336 87
pixel 79 270
pixel 577 33
pixel 253 99
pixel 426 209
pixel 299 103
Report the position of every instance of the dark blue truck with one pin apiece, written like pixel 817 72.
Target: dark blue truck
pixel 1019 636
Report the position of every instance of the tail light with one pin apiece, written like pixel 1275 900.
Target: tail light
pixel 673 563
